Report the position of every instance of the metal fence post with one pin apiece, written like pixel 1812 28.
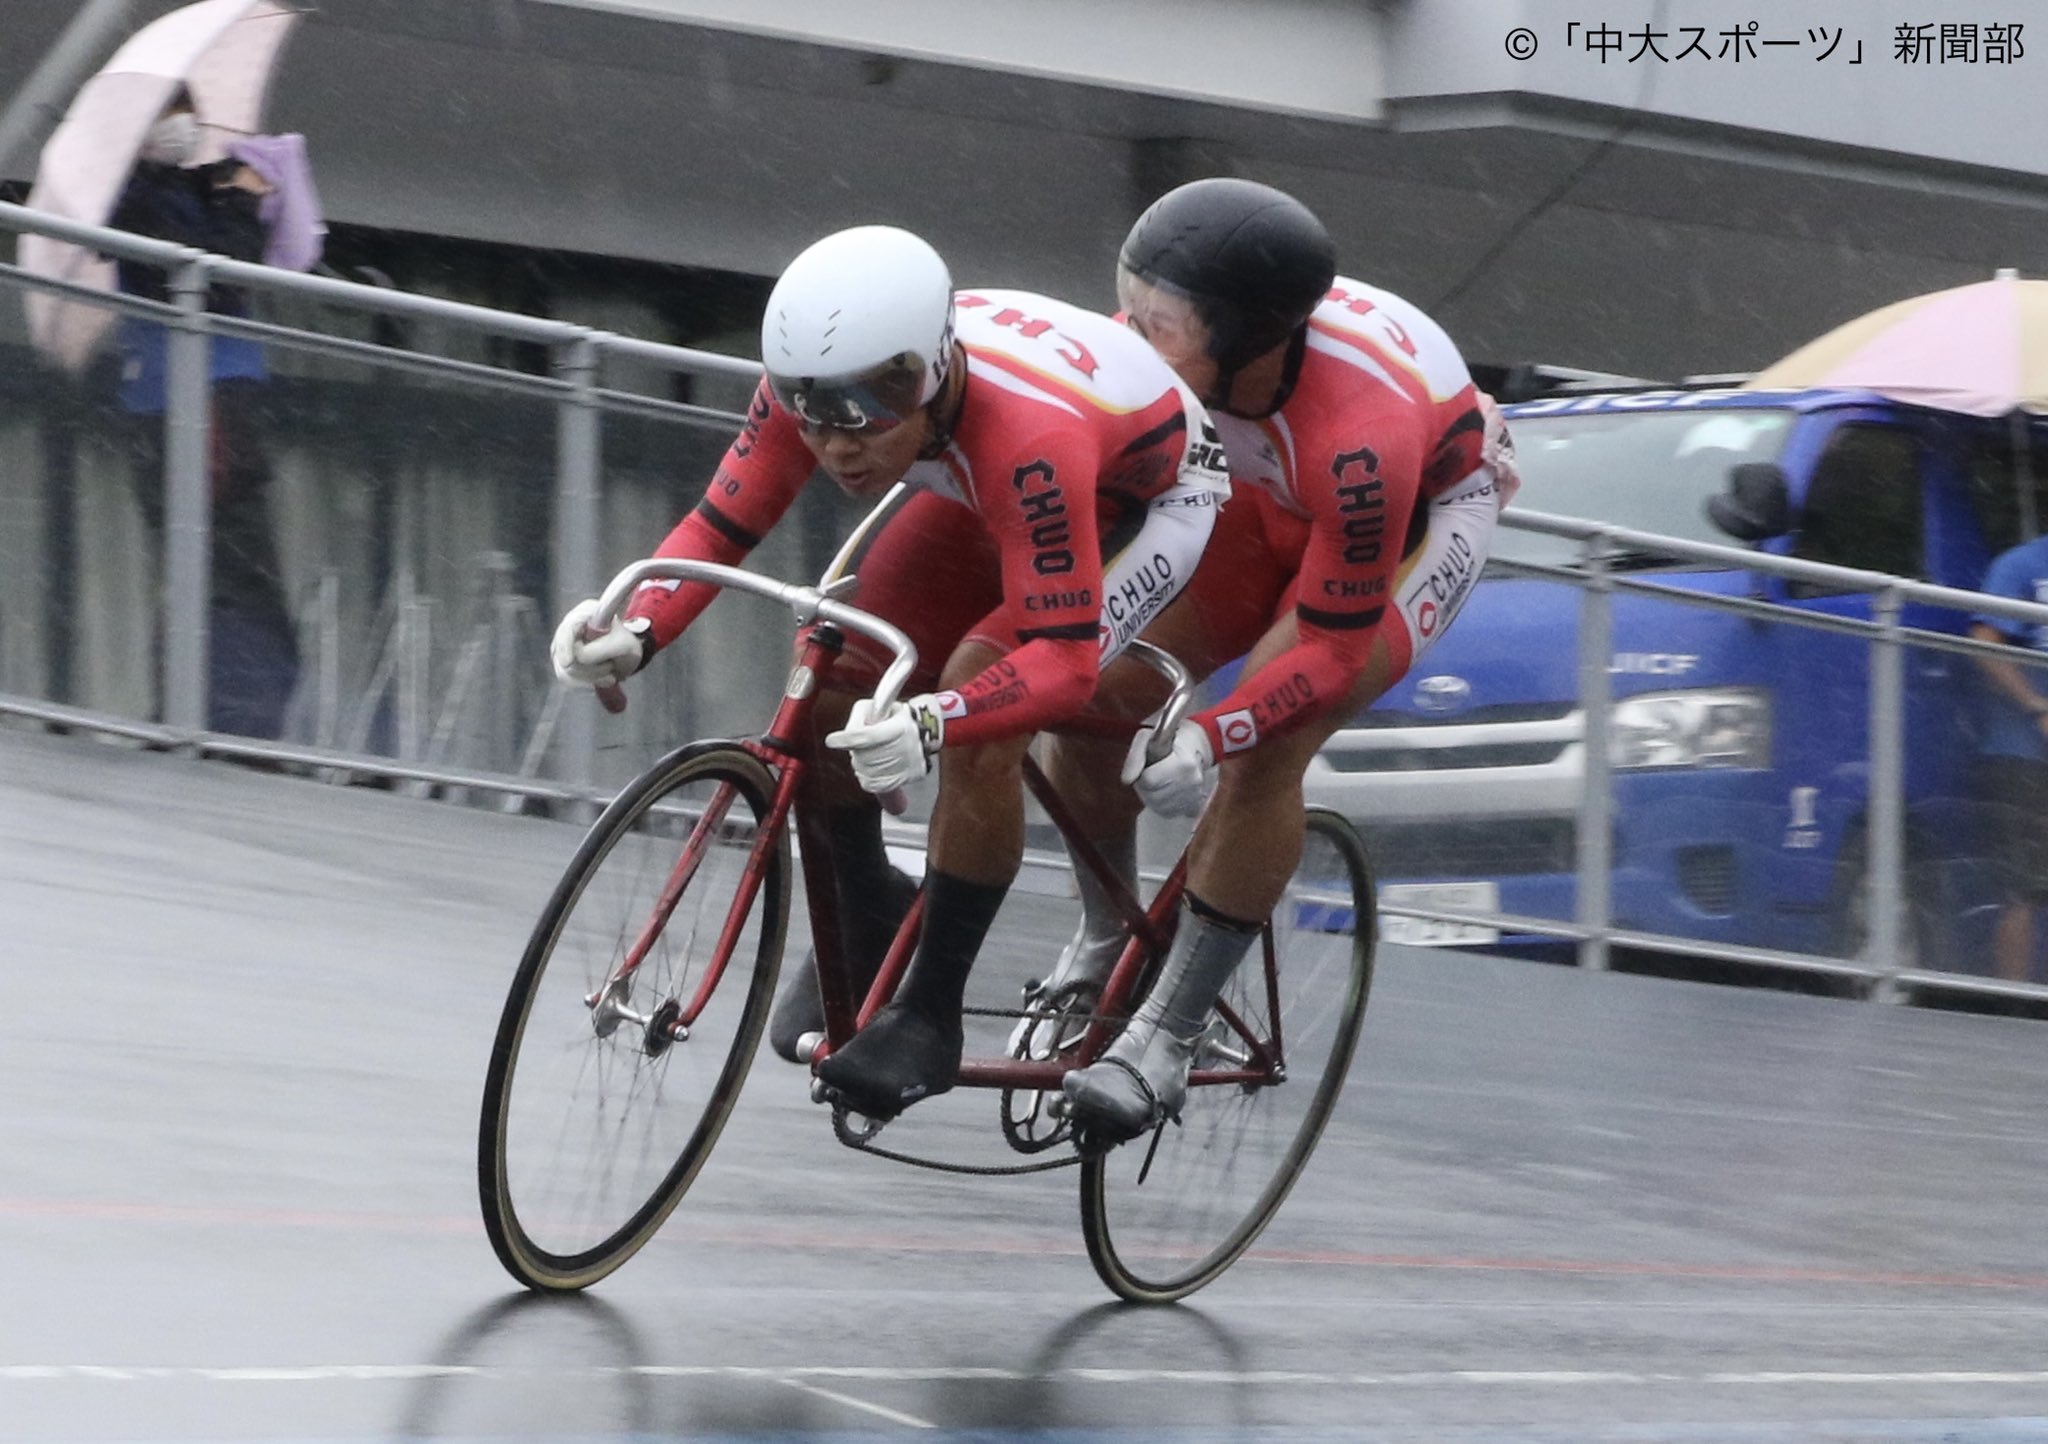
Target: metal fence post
pixel 1884 884
pixel 415 656
pixel 577 456
pixel 61 560
pixel 327 708
pixel 1596 804
pixel 188 500
pixel 502 692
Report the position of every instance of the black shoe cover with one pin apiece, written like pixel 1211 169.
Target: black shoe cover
pixel 901 1056
pixel 799 1010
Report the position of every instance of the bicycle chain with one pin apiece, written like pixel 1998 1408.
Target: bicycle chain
pixel 985 1170
pixel 1020 1014
pixel 860 1144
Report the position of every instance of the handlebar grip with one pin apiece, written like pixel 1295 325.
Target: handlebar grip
pixel 1180 699
pixel 895 801
pixel 611 694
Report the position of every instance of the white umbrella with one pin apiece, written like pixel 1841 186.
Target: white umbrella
pixel 224 52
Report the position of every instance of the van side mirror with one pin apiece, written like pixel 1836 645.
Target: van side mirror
pixel 1757 504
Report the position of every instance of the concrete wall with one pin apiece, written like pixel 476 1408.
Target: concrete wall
pixel 1661 219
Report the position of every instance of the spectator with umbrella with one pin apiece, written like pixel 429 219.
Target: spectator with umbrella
pixel 161 142
pixel 1980 350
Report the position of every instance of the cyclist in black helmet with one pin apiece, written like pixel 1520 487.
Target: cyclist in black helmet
pixel 1366 481
pixel 1249 262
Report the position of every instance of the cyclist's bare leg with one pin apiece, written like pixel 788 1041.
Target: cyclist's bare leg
pixel 977 828
pixel 1086 772
pixel 1249 841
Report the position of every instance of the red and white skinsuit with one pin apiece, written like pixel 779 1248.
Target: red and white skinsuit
pixel 1365 505
pixel 1069 506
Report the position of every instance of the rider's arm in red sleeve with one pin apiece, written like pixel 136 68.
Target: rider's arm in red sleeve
pixel 760 475
pixel 1348 573
pixel 1041 512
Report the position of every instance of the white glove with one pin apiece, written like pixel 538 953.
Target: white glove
pixel 611 656
pixel 1180 782
pixel 1497 450
pixel 894 748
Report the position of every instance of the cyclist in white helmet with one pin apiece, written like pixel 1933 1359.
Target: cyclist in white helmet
pixel 1062 482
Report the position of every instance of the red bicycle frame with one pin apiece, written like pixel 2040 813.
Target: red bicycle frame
pixel 785 750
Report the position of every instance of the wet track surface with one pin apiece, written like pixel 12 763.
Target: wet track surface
pixel 243 1026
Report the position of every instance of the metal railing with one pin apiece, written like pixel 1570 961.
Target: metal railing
pixel 553 757
pixel 1593 928
pixel 574 390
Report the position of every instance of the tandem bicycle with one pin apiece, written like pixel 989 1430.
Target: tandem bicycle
pixel 636 1011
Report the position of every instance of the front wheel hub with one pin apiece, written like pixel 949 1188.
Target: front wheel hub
pixel 663 1029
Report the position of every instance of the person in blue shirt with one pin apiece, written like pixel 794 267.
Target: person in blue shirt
pixel 2013 765
pixel 253 661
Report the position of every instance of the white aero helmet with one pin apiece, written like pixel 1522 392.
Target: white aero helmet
pixel 859 330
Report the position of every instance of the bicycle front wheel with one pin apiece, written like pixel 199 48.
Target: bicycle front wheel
pixel 1166 1213
pixel 604 1095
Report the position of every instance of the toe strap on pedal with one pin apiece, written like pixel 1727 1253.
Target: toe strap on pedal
pixel 1156 1112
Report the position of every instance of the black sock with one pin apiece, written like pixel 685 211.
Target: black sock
pixel 871 900
pixel 957 915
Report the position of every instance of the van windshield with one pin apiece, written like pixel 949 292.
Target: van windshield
pixel 1645 470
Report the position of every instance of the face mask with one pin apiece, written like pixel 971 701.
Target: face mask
pixel 173 140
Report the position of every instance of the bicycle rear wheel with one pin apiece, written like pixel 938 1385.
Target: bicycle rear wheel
pixel 596 1115
pixel 1166 1213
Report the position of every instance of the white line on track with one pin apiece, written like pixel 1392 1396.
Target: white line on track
pixel 892 1415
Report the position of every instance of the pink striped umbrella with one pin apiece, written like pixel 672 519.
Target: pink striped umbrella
pixel 1980 349
pixel 224 52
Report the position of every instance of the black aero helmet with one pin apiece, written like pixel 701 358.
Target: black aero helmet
pixel 1252 260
